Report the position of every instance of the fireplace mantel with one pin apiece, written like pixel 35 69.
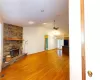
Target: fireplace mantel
pixel 14 39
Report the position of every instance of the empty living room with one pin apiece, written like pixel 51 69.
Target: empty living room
pixel 34 40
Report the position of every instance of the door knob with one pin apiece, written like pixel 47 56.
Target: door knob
pixel 90 73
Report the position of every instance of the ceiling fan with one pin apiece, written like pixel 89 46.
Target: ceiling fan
pixel 55 28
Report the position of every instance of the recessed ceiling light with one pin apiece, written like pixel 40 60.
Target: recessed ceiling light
pixel 31 22
pixel 44 23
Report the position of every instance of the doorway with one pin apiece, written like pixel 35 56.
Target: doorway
pixel 60 43
pixel 46 42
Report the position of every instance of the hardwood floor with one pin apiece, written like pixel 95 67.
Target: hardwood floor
pixel 49 65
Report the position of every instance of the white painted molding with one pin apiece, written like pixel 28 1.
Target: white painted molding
pixel 1 45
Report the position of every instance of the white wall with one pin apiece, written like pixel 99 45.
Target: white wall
pixel 35 38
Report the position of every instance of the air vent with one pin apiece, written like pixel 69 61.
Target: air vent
pixel 42 10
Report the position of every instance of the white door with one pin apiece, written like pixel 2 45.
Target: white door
pixel 92 38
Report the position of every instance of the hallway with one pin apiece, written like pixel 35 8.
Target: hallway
pixel 49 65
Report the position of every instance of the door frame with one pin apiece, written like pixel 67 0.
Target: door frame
pixel 83 40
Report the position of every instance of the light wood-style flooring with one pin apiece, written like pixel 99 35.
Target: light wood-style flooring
pixel 48 65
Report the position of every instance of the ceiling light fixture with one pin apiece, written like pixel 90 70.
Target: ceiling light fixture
pixel 44 23
pixel 55 28
pixel 31 22
pixel 56 32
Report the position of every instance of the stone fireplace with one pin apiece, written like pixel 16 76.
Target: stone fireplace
pixel 12 40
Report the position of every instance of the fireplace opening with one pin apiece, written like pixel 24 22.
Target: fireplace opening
pixel 14 51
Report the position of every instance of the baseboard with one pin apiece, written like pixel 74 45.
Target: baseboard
pixel 35 53
pixel 42 51
pixel 52 49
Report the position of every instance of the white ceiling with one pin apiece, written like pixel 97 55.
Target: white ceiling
pixel 19 12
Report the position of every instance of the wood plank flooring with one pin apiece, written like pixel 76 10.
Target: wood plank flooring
pixel 48 65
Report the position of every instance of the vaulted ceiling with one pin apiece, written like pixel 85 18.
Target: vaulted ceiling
pixel 19 12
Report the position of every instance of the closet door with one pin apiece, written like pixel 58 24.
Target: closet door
pixel 92 39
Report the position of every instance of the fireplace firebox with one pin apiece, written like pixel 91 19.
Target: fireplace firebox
pixel 14 52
